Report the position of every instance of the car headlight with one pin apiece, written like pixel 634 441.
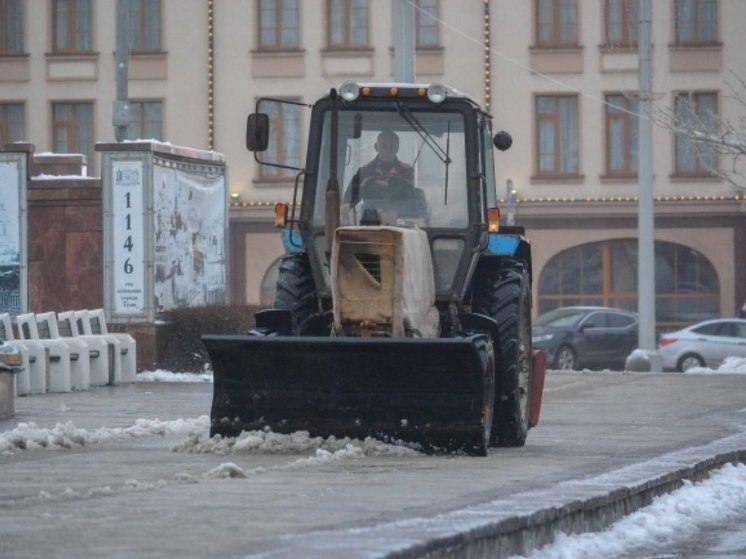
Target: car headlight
pixel 542 338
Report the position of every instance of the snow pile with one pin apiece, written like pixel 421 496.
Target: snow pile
pixel 159 375
pixel 670 520
pixel 268 442
pixel 29 436
pixel 730 365
pixel 230 470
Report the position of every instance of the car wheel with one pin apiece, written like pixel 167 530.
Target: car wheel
pixel 689 361
pixel 565 359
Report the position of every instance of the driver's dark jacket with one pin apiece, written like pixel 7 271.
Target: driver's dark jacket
pixel 379 169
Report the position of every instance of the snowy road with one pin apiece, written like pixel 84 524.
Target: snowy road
pixel 129 471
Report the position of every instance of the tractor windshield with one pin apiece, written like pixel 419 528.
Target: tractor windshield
pixel 397 166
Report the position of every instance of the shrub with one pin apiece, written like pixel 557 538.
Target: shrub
pixel 179 344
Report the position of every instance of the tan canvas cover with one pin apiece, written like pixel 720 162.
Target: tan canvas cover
pixel 384 276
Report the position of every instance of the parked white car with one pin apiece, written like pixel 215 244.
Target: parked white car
pixel 705 344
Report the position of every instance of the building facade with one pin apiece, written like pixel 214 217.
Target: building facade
pixel 560 75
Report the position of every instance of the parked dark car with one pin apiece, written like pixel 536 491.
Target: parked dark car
pixel 586 337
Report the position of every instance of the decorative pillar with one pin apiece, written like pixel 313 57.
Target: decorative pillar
pixel 210 75
pixel 487 58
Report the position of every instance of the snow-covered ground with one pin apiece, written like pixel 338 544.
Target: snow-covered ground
pixel 731 365
pixel 671 520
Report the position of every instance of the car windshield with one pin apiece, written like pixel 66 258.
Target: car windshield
pixel 397 166
pixel 560 317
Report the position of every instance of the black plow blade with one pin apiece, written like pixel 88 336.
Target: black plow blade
pixel 433 392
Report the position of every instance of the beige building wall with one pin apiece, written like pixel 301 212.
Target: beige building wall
pixel 177 76
pixel 518 71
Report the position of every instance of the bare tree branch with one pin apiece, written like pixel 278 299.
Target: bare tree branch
pixel 709 132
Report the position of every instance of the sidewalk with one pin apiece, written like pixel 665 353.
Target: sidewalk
pixel 128 471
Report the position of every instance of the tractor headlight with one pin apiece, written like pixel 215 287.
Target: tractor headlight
pixel 437 93
pixel 349 90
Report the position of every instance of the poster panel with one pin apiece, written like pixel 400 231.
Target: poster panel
pixel 190 218
pixel 10 237
pixel 128 263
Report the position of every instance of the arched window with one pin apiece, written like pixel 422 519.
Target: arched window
pixel 605 273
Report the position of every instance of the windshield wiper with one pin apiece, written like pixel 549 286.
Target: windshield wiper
pixel 416 125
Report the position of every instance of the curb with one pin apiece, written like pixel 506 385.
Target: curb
pixel 523 522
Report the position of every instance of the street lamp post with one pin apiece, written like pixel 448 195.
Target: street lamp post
pixel 645 358
pixel 120 118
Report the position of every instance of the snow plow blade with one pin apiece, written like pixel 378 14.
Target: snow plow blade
pixel 426 391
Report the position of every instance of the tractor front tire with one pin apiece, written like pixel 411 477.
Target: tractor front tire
pixel 296 291
pixel 504 294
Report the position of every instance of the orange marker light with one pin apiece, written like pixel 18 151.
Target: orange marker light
pixel 394 91
pixel 422 92
pixel 365 91
pixel 281 215
pixel 493 220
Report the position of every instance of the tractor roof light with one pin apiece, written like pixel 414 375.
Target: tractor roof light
pixel 349 91
pixel 437 93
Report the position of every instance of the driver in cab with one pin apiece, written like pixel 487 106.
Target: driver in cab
pixel 385 177
pixel 385 168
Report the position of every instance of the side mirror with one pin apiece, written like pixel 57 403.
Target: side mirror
pixel 502 140
pixel 257 132
pixel 586 325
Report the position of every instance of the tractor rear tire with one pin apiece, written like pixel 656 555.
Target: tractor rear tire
pixel 504 294
pixel 296 291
